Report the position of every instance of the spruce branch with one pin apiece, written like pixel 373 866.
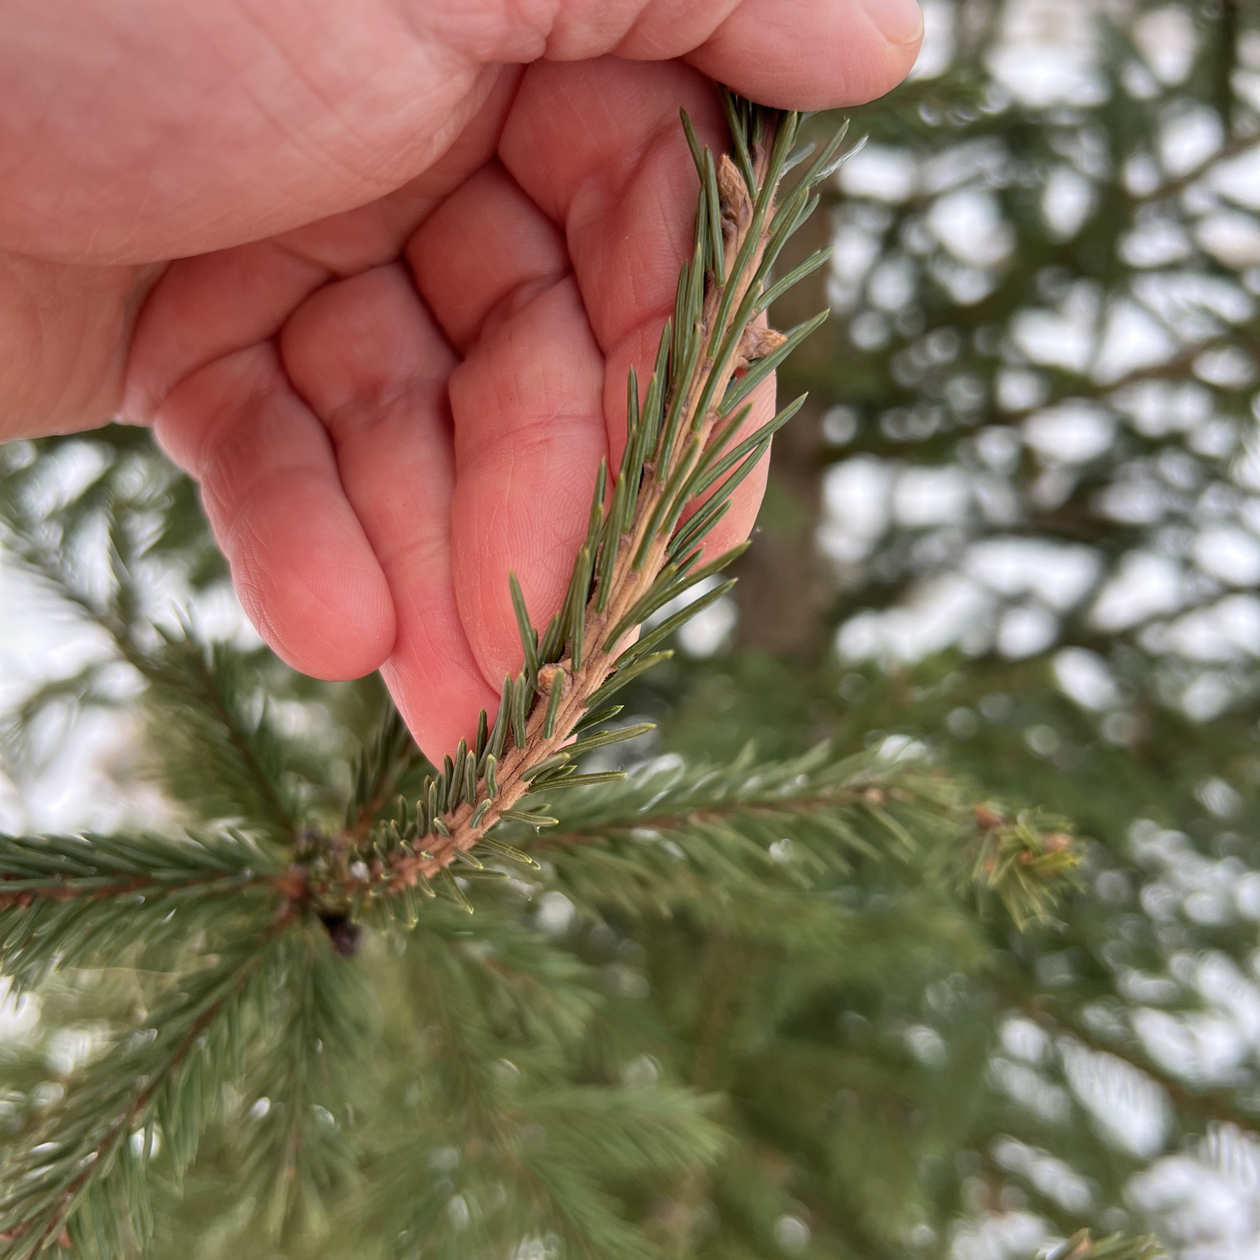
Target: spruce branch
pixel 62 1187
pixel 300 1148
pixel 679 834
pixel 218 751
pixel 68 901
pixel 641 550
pixel 379 773
pixel 531 1152
pixel 215 753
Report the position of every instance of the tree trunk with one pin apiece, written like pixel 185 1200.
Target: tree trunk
pixel 782 588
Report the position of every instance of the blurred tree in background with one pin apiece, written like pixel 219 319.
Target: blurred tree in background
pixel 1007 559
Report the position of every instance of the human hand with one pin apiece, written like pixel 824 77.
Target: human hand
pixel 377 285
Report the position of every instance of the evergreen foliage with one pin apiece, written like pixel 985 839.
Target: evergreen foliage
pixel 250 1021
pixel 840 990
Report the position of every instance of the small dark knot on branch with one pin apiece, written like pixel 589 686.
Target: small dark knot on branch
pixel 346 935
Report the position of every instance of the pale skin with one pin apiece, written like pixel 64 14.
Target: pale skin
pixel 374 272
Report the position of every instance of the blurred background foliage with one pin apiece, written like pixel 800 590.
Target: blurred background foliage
pixel 1016 530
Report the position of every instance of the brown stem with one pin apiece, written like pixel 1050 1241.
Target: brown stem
pixel 221 886
pixel 798 804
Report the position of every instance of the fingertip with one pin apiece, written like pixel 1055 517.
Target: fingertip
pixel 304 571
pixel 900 22
pixel 438 718
pixel 323 647
pixel 321 608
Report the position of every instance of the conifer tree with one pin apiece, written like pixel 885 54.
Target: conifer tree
pixel 760 995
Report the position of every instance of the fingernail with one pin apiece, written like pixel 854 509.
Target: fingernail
pixel 898 21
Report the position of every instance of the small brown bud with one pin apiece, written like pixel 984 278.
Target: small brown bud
pixel 547 677
pixel 988 818
pixel 292 884
pixel 733 199
pixel 1082 1245
pixel 874 796
pixel 755 344
pixel 1057 842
